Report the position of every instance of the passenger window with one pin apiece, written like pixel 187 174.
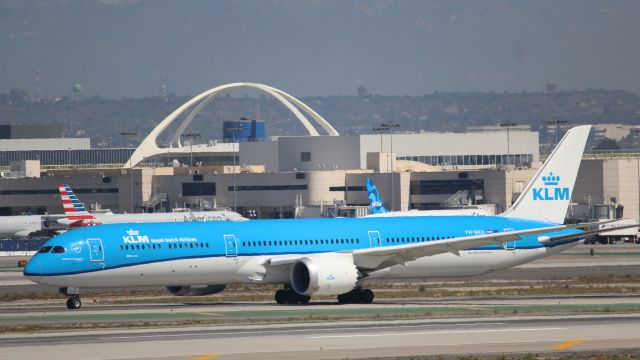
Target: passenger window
pixel 207 244
pixel 58 250
pixel 46 249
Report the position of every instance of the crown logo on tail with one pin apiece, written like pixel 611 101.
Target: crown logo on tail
pixel 551 180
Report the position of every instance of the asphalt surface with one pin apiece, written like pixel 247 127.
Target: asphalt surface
pixel 336 340
pixel 464 333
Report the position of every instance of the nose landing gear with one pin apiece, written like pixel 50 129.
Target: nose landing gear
pixel 74 302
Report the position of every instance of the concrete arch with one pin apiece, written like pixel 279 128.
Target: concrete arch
pixel 149 147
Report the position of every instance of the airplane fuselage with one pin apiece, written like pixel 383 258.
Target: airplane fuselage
pixel 169 254
pixel 20 225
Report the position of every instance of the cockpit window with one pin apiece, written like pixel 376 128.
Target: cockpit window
pixel 45 249
pixel 58 250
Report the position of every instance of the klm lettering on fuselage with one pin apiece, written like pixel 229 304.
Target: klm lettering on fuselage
pixel 134 237
pixel 551 190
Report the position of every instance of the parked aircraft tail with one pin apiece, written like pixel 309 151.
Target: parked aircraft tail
pixel 375 202
pixel 77 214
pixel 548 194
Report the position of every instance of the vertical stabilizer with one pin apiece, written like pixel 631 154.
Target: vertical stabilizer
pixel 74 208
pixel 377 207
pixel 548 194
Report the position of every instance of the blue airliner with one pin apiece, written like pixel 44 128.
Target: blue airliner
pixel 318 256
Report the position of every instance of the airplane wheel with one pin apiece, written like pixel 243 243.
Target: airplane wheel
pixel 281 297
pixel 304 299
pixel 74 303
pixel 366 296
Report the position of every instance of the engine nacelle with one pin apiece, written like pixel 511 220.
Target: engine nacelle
pixel 195 290
pixel 324 275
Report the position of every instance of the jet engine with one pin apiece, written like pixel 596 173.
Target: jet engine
pixel 324 275
pixel 195 290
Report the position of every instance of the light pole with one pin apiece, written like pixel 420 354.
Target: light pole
pixel 556 123
pixel 233 131
pixel 191 135
pixel 381 129
pixel 637 132
pixel 131 135
pixel 390 127
pixel 508 125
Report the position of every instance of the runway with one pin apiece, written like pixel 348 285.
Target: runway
pixel 336 340
pixel 220 327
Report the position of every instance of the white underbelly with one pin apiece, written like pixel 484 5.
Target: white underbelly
pixel 469 263
pixel 199 271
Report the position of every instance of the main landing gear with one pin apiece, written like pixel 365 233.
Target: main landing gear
pixel 356 296
pixel 288 296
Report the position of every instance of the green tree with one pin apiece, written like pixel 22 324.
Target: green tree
pixel 607 144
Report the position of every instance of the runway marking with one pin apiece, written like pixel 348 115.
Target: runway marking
pixel 432 333
pixel 206 357
pixel 567 344
pixel 275 331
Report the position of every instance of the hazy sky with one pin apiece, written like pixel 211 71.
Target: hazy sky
pixel 125 48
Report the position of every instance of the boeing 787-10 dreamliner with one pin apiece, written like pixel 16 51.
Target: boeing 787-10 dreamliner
pixel 319 256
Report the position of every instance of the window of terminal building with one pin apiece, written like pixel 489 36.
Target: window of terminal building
pixel 199 189
pixel 305 156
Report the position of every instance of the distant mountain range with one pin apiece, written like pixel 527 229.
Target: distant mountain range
pixel 104 119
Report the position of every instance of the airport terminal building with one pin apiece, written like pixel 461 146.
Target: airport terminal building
pixel 297 176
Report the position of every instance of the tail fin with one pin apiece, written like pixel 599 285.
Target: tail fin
pixel 377 207
pixel 73 208
pixel 548 194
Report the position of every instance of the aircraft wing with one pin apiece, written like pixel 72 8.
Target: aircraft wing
pixel 377 258
pixel 558 238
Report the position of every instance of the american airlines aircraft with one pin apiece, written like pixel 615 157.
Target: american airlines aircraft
pixel 78 216
pixel 21 225
pixel 319 256
pixel 378 210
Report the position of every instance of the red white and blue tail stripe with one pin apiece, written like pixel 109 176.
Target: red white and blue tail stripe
pixel 74 208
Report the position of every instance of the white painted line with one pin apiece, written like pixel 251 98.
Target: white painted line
pixel 278 331
pixel 446 332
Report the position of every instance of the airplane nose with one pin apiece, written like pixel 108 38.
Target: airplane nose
pixel 33 269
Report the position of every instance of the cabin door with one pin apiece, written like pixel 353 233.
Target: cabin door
pixel 509 245
pixel 374 238
pixel 231 245
pixel 96 251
